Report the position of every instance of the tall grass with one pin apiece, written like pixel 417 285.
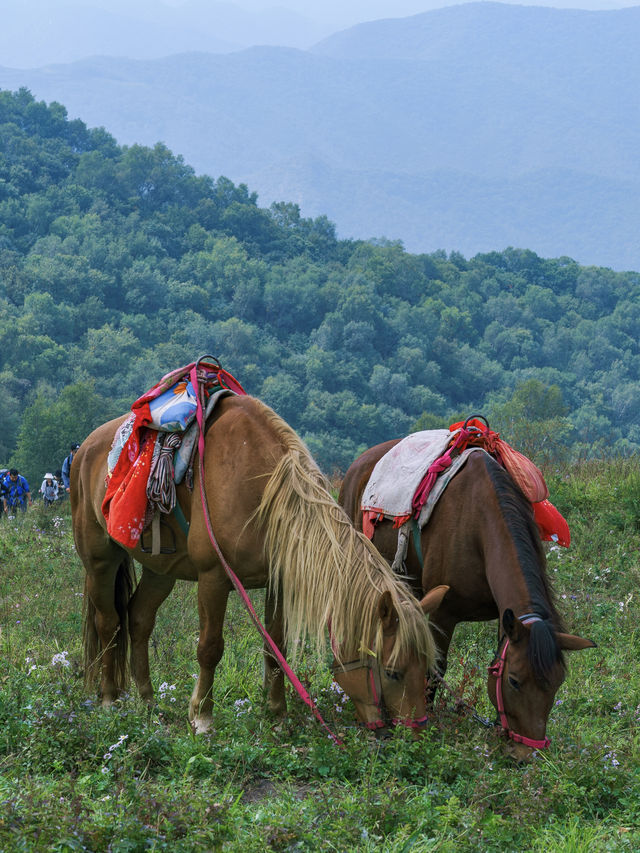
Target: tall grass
pixel 74 777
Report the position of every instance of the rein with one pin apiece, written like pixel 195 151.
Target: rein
pixel 460 703
pixel 497 670
pixel 293 678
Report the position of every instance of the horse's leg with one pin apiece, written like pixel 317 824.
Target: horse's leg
pixel 212 603
pixel 443 629
pixel 273 675
pixel 149 595
pixel 105 587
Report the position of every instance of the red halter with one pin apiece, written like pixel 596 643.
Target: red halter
pixel 497 669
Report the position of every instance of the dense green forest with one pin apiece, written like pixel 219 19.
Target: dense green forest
pixel 118 264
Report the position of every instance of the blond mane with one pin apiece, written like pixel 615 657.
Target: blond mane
pixel 324 570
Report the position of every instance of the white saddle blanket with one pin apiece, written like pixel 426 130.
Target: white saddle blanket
pixel 395 478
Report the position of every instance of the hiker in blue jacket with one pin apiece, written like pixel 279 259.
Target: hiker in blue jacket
pixel 66 466
pixel 16 492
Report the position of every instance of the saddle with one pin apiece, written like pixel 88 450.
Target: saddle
pixel 153 449
pixel 407 481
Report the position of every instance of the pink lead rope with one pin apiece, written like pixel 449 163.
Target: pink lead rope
pixel 293 678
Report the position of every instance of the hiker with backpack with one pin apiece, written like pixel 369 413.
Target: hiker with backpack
pixel 16 492
pixel 3 474
pixel 66 467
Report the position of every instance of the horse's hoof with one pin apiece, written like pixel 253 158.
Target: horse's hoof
pixel 202 725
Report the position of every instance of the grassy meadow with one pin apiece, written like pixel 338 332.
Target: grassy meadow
pixel 75 777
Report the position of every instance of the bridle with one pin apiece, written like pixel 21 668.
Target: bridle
pixel 497 670
pixel 374 683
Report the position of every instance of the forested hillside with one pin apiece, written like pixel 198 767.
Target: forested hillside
pixel 119 263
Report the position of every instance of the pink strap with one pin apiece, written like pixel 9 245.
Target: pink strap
pixel 293 678
pixel 437 467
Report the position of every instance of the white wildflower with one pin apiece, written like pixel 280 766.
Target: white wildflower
pixel 164 690
pixel 242 706
pixel 60 659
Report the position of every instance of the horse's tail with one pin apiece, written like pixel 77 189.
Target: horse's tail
pixel 124 584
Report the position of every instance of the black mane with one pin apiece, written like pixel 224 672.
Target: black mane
pixel 544 651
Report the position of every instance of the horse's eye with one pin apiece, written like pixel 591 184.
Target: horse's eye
pixel 514 683
pixel 393 674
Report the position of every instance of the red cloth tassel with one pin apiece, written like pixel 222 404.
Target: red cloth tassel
pixel 551 523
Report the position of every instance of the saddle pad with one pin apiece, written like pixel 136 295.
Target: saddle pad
pixel 395 478
pixel 393 483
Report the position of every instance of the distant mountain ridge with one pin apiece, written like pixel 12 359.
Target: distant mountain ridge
pixel 470 30
pixel 67 32
pixel 472 127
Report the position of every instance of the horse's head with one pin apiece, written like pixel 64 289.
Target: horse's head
pixel 389 688
pixel 524 678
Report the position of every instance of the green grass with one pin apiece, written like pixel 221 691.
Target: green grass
pixel 75 777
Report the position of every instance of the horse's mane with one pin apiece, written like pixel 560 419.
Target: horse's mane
pixel 544 651
pixel 325 572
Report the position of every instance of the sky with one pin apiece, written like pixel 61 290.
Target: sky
pixel 367 10
pixel 330 14
pixel 152 29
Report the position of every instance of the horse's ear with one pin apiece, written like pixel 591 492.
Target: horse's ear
pixel 512 626
pixel 387 612
pixel 433 599
pixel 571 643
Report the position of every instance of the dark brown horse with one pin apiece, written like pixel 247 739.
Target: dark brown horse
pixel 483 543
pixel 278 527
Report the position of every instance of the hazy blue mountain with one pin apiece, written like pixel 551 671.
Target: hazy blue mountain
pixel 489 33
pixel 471 128
pixel 37 32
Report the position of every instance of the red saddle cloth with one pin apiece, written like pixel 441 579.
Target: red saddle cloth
pixel 551 524
pixel 125 502
pixel 525 473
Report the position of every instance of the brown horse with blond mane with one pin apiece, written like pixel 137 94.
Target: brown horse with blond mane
pixel 278 527
pixel 483 543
